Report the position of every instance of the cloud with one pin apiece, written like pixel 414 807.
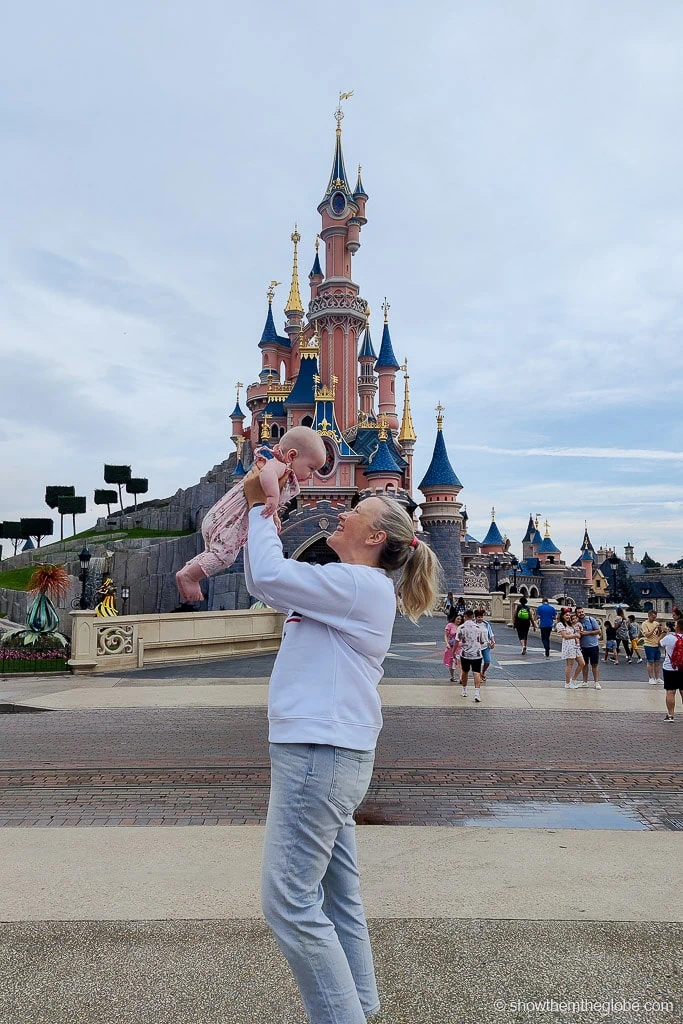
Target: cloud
pixel 647 454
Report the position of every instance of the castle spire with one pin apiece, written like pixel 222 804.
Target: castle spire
pixel 407 431
pixel 338 181
pixel 440 474
pixel 316 269
pixel 294 300
pixel 359 191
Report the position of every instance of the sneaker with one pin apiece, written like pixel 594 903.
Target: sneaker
pixel 567 686
pixel 476 696
pixel 628 661
pixel 547 654
pixel 574 686
pixel 669 718
pixel 597 686
pixel 652 682
pixel 464 693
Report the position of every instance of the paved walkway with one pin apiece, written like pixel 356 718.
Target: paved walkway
pixel 552 886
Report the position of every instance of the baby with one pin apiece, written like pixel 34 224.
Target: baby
pixel 300 452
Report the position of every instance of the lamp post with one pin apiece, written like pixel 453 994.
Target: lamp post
pixel 514 562
pixel 125 595
pixel 84 559
pixel 495 565
pixel 614 562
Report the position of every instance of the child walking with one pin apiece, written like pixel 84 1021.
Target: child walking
pixel 300 452
pixel 451 656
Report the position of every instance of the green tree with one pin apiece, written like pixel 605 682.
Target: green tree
pixel 117 475
pixel 105 498
pixel 137 485
pixel 52 493
pixel 626 590
pixel 71 505
pixel 37 528
pixel 650 563
pixel 14 532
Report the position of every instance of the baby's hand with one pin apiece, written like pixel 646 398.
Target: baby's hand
pixel 270 508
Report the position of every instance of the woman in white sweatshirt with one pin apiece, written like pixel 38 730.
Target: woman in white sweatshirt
pixel 324 718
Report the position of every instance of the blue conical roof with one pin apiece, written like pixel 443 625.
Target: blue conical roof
pixel 269 335
pixel 359 190
pixel 382 461
pixel 494 536
pixel 239 469
pixel 548 548
pixel 440 472
pixel 386 355
pixel 303 391
pixel 316 269
pixel 338 180
pixel 237 413
pixel 536 539
pixel 587 556
pixel 366 349
pixel 530 530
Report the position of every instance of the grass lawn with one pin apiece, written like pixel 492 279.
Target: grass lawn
pixel 16 579
pixel 94 533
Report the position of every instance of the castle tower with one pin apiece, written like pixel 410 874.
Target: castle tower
pixel 367 382
pixel 528 538
pixel 271 344
pixel 587 566
pixel 406 435
pixel 547 551
pixel 385 368
pixel 382 469
pixel 441 519
pixel 300 402
pixel 629 552
pixel 493 543
pixel 316 275
pixel 337 310
pixel 237 417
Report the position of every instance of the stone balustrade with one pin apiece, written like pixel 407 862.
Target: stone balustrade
pixel 132 641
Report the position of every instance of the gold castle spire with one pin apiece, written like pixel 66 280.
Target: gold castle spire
pixel 294 300
pixel 439 416
pixel 265 429
pixel 407 431
pixel 547 530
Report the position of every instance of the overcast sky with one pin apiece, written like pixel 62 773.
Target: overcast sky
pixel 524 166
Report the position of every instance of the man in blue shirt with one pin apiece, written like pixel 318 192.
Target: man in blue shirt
pixel 590 646
pixel 546 615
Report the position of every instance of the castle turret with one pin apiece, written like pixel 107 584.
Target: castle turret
pixel 237 416
pixel 385 368
pixel 316 276
pixel 528 538
pixel 547 551
pixel 629 553
pixel 367 382
pixel 270 343
pixel 406 435
pixel 441 519
pixel 587 566
pixel 493 543
pixel 382 469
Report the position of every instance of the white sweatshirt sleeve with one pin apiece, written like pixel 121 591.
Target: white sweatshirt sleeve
pixel 255 591
pixel 324 593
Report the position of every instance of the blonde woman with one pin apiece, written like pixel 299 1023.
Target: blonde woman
pixel 324 714
pixel 569 629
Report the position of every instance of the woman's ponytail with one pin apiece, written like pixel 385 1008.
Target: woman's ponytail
pixel 419 583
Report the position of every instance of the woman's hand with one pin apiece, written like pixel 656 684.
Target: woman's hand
pixel 253 492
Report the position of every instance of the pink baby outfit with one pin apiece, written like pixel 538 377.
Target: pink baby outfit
pixel 226 524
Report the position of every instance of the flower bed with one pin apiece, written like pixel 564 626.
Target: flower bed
pixel 45 655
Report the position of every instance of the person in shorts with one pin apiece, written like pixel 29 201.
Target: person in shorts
pixel 488 646
pixel 472 637
pixel 634 634
pixel 673 668
pixel 590 646
pixel 653 631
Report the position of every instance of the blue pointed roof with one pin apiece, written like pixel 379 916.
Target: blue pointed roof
pixel 469 539
pixel 547 547
pixel 316 269
pixel 359 190
pixel 338 179
pixel 382 461
pixel 269 334
pixel 587 556
pixel 237 413
pixel 440 472
pixel 366 349
pixel 274 408
pixel 530 530
pixel 536 539
pixel 494 536
pixel 386 355
pixel 239 469
pixel 303 391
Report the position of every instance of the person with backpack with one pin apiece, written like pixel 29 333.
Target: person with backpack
pixel 522 621
pixel 673 668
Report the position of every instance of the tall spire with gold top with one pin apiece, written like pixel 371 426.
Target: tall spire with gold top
pixel 406 435
pixel 294 310
pixel 441 518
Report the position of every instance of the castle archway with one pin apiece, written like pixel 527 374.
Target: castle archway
pixel 315 551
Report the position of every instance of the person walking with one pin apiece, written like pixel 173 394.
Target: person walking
pixel 611 651
pixel 589 643
pixel 449 602
pixel 473 638
pixel 451 656
pixel 571 652
pixel 490 642
pixel 673 667
pixel 622 634
pixel 324 715
pixel 546 615
pixel 523 620
pixel 634 634
pixel 653 631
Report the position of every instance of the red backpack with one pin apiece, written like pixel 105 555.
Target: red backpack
pixel 676 656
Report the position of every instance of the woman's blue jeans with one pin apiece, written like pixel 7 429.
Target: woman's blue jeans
pixel 310 888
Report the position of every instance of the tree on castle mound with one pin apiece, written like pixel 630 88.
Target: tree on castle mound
pixel 37 528
pixel 14 532
pixel 71 505
pixel 52 495
pixel 118 475
pixel 107 498
pixel 137 485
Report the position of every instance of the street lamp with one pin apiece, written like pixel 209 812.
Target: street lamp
pixel 125 594
pixel 614 562
pixel 495 564
pixel 84 559
pixel 514 562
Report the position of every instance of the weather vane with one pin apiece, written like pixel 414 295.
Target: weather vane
pixel 239 385
pixel 339 113
pixel 386 306
pixel 271 290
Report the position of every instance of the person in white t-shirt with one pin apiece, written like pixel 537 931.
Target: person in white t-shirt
pixel 472 638
pixel 673 676
pixel 324 715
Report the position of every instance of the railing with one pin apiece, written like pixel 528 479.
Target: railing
pixel 131 641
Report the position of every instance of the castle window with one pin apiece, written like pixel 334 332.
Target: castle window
pixel 307 421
